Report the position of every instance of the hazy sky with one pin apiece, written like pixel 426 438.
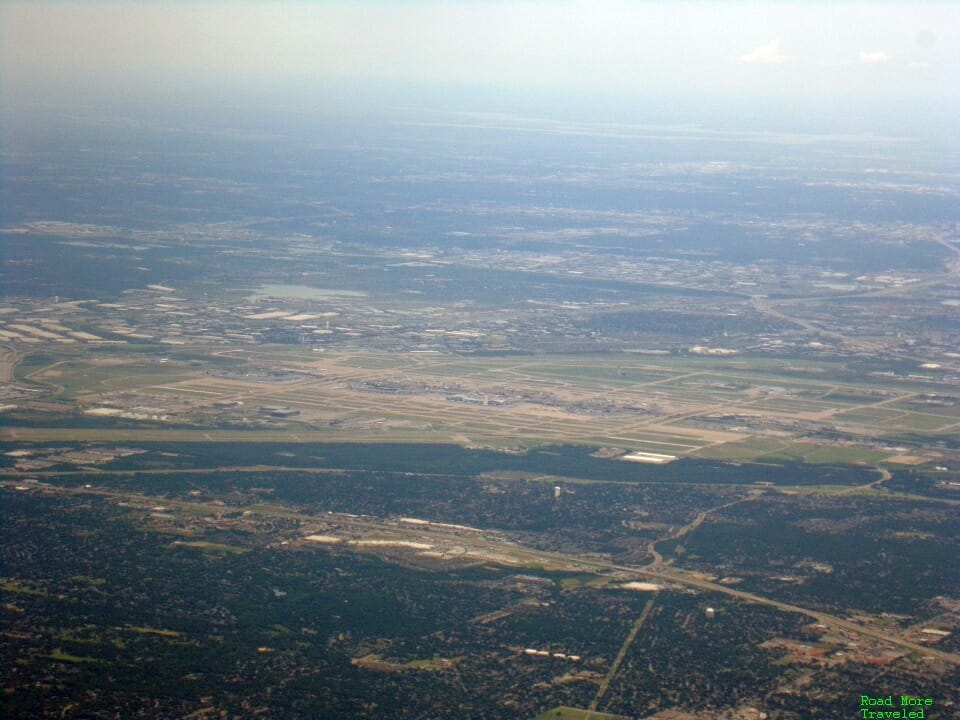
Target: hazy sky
pixel 808 52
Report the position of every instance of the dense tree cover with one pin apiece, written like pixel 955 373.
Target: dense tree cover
pixel 873 555
pixel 561 460
pixel 118 608
pixel 107 617
pixel 596 517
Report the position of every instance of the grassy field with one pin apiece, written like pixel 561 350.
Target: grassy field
pixel 921 422
pixel 948 407
pixel 811 453
pixel 870 416
pixel 569 713
pixel 753 447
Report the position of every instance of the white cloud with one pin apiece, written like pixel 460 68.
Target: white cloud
pixel 767 54
pixel 873 58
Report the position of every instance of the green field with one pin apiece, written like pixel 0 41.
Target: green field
pixel 569 713
pixel 744 450
pixel 375 362
pixel 948 407
pixel 810 453
pixel 921 422
pixel 869 416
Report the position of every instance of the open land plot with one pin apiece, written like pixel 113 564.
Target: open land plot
pixel 615 374
pixel 637 444
pixel 704 393
pixel 442 365
pixel 669 437
pixel 945 405
pixel 791 406
pixel 808 452
pixel 884 419
pixel 72 374
pixel 183 389
pixel 8 361
pixel 712 389
pixel 569 713
pixel 921 421
pixel 752 447
pixel 869 415
pixel 689 402
pixel 117 380
pixel 856 396
pixel 745 378
pixel 376 362
pixel 501 400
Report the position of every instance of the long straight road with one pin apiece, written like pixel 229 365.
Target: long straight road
pixel 618 661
